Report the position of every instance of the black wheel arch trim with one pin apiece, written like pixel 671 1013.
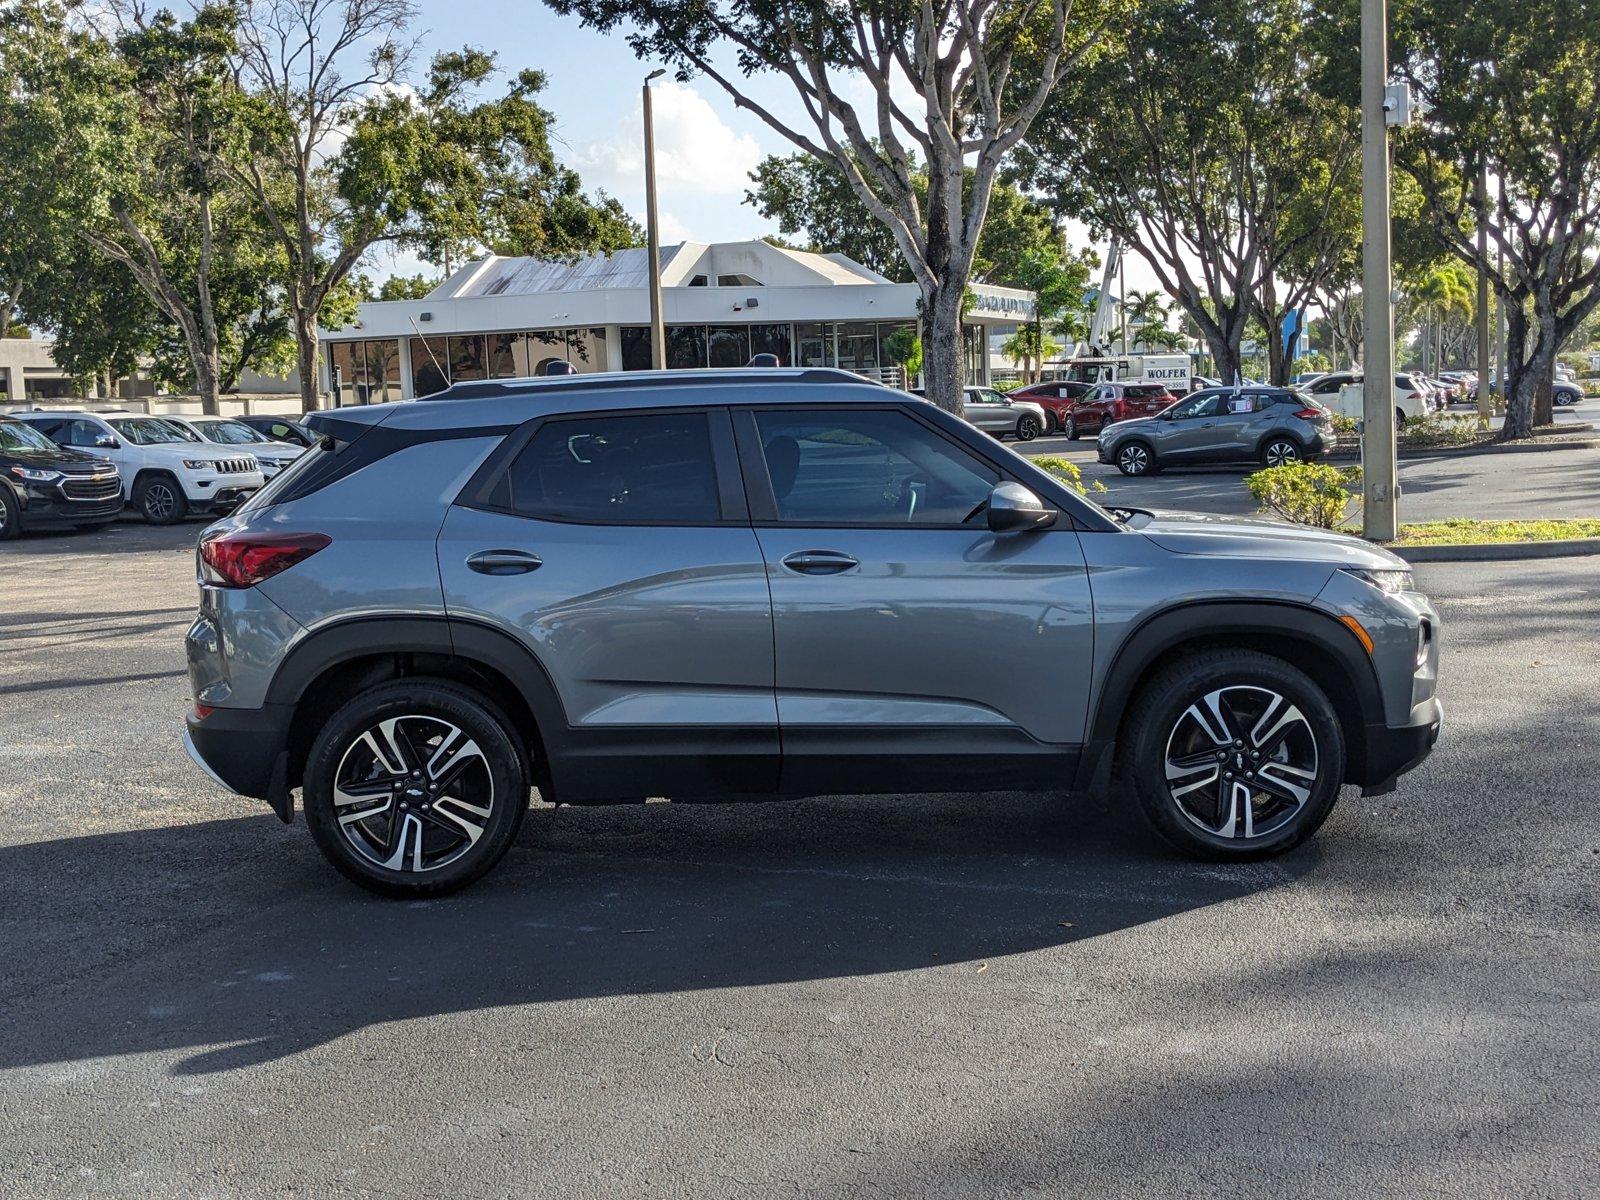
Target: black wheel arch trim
pixel 1164 631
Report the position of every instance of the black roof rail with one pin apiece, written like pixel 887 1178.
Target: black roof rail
pixel 614 380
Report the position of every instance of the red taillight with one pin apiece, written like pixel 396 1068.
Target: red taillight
pixel 241 560
pixel 202 711
pixel 1309 414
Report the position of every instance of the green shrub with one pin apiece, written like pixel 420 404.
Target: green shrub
pixel 1307 493
pixel 1343 423
pixel 1067 471
pixel 1441 429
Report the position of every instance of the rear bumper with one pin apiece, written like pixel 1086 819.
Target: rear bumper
pixel 1392 750
pixel 244 750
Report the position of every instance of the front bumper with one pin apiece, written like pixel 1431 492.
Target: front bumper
pixel 1392 750
pixel 245 751
pixel 50 504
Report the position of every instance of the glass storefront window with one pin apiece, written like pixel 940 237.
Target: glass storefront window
pixel 342 370
pixel 728 345
pixel 976 348
pixel 686 346
pixel 467 359
pixel 772 339
pixel 813 345
pixel 586 350
pixel 383 370
pixel 429 358
pixel 636 348
pixel 507 355
pixel 858 346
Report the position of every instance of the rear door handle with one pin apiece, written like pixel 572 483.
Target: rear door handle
pixel 504 562
pixel 819 562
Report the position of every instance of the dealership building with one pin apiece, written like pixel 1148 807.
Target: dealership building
pixel 504 318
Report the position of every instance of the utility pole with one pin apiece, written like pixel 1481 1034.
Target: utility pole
pixel 1485 404
pixel 1379 480
pixel 658 330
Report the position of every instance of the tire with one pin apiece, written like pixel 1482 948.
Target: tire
pixel 352 770
pixel 1235 807
pixel 1073 433
pixel 1277 451
pixel 1027 428
pixel 1136 458
pixel 159 500
pixel 10 515
pixel 1399 418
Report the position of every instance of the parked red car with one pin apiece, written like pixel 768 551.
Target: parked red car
pixel 1108 403
pixel 1057 398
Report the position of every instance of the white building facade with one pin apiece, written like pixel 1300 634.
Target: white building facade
pixel 505 318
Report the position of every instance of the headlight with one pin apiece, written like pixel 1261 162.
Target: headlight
pixel 35 474
pixel 199 464
pixel 1390 582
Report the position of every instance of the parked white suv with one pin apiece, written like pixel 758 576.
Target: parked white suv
pixel 165 476
pixel 1342 392
pixel 236 435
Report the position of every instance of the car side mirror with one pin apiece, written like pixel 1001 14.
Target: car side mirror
pixel 105 441
pixel 1013 507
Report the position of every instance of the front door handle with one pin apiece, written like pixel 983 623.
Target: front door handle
pixel 504 562
pixel 819 562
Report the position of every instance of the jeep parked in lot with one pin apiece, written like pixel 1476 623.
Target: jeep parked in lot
pixel 43 485
pixel 708 585
pixel 165 473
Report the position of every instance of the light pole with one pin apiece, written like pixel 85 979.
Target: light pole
pixel 1379 480
pixel 1485 404
pixel 658 331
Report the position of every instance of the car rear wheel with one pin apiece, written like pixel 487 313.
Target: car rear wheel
pixel 1027 428
pixel 1234 755
pixel 1280 451
pixel 160 500
pixel 1136 458
pixel 415 788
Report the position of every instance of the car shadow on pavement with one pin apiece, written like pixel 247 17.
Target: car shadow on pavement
pixel 232 942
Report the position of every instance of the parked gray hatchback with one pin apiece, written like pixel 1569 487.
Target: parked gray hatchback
pixel 1269 426
pixel 754 584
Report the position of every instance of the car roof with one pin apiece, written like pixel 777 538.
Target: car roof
pixel 504 403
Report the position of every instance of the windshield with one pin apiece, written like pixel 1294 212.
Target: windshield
pixel 229 433
pixel 149 431
pixel 179 428
pixel 14 435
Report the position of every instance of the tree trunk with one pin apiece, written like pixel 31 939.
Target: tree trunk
pixel 306 360
pixel 1226 357
pixel 943 368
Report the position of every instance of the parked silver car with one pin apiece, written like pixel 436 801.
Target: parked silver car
pixel 721 584
pixel 992 411
pixel 1269 426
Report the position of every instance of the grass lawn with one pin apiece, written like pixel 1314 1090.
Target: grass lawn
pixel 1464 532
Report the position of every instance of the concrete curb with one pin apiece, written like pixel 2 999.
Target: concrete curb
pixel 1466 451
pixel 1500 551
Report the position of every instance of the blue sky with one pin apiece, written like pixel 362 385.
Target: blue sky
pixel 705 145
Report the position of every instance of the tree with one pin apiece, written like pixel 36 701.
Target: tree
pixel 405 287
pixel 157 201
pixel 346 157
pixel 1516 97
pixel 1031 347
pixel 943 85
pixel 1447 288
pixel 808 198
pixel 1215 163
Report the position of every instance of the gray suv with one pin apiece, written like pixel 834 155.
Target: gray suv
pixel 752 584
pixel 1270 426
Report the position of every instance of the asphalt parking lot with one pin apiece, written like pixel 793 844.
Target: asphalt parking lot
pixel 904 996
pixel 1434 487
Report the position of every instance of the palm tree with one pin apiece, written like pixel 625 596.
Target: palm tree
pixel 1149 311
pixel 1444 289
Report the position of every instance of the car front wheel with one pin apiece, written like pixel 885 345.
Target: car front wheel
pixel 160 500
pixel 1234 755
pixel 1027 428
pixel 415 788
pixel 1135 458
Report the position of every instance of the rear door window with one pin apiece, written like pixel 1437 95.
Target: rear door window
pixel 655 469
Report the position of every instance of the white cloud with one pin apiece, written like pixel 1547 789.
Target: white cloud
pixel 696 151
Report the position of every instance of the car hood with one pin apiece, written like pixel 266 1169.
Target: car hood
pixel 1247 537
pixel 67 461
